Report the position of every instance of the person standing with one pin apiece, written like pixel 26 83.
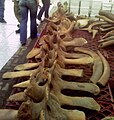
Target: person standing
pixel 44 9
pixel 2 8
pixel 25 7
pixel 17 13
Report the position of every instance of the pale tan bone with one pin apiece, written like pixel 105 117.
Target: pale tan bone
pixel 68 30
pixel 8 114
pixel 70 72
pixel 22 84
pixel 105 44
pixel 104 18
pixel 82 61
pixel 108 118
pixel 57 113
pixel 33 53
pixel 97 67
pixel 89 87
pixel 110 33
pixel 110 38
pixel 106 29
pixel 96 23
pixel 107 14
pixel 26 66
pixel 18 74
pixel 86 102
pixel 71 55
pixel 106 25
pixel 106 72
pixel 18 97
pixel 75 42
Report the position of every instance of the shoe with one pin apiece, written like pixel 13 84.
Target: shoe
pixel 17 31
pixel 2 21
pixel 23 44
pixel 18 25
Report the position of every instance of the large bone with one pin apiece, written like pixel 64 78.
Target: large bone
pixel 89 87
pixel 18 74
pixel 8 114
pixel 71 55
pixel 26 66
pixel 70 72
pixel 81 61
pixel 105 44
pixel 110 33
pixel 18 97
pixel 106 72
pixel 86 102
pixel 74 42
pixel 104 18
pixel 68 30
pixel 24 84
pixel 57 113
pixel 107 14
pixel 30 110
pixel 106 29
pixel 35 92
pixel 33 53
pixel 97 67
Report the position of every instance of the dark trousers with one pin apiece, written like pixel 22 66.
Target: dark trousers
pixel 44 9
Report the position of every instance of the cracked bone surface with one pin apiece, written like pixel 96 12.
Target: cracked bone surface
pixel 8 114
pixel 97 67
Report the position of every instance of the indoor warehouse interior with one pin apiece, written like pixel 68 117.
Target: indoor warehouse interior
pixel 67 71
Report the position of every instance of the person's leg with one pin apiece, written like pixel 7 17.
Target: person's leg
pixel 23 24
pixel 2 8
pixel 41 11
pixel 17 13
pixel 17 10
pixel 47 5
pixel 33 25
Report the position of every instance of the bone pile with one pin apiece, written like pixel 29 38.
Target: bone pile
pixel 42 98
pixel 102 24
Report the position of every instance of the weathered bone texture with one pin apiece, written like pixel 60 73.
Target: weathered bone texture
pixel 106 43
pixel 22 84
pixel 107 14
pixel 107 39
pixel 29 110
pixel 74 42
pixel 108 34
pixel 81 61
pixel 33 53
pixel 105 18
pixel 18 97
pixel 106 71
pixel 57 113
pixel 35 92
pixel 18 74
pixel 89 87
pixel 26 66
pixel 97 67
pixel 70 72
pixel 106 29
pixel 8 114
